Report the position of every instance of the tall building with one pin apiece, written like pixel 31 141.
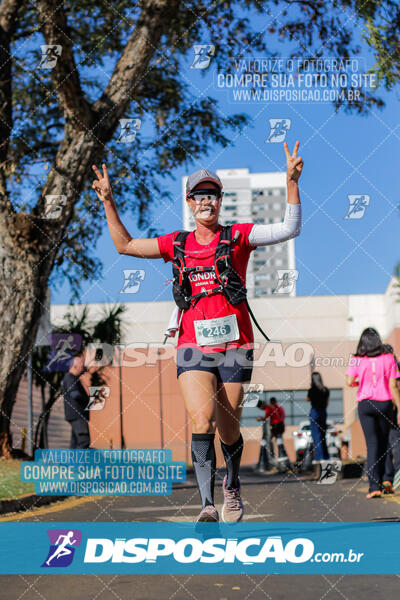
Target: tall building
pixel 254 198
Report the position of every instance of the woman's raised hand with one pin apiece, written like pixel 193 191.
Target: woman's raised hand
pixel 102 185
pixel 294 163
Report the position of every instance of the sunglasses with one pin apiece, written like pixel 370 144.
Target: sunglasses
pixel 199 196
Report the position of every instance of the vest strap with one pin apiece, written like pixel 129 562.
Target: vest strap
pixel 230 284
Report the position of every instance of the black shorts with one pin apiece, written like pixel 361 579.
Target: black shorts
pixel 277 429
pixel 234 365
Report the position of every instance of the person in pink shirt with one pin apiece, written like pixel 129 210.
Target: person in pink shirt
pixel 374 371
pixel 393 457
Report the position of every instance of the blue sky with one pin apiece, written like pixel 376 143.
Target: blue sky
pixel 343 154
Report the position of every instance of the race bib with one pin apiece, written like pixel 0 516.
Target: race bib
pixel 210 332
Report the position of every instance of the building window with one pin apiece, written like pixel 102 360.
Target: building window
pixel 295 405
pixel 261 276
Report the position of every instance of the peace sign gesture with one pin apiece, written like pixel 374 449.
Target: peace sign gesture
pixel 294 163
pixel 102 185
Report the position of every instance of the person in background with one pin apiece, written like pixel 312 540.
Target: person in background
pixel 393 456
pixel 344 446
pixel 264 460
pixel 76 401
pixel 318 396
pixel 276 415
pixel 374 371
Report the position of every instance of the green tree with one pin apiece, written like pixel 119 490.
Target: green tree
pixel 67 117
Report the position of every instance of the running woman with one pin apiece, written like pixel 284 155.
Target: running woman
pixel 214 350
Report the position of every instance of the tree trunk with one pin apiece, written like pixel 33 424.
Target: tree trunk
pixel 8 15
pixel 23 284
pixel 28 247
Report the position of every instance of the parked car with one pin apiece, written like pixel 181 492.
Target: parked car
pixel 302 438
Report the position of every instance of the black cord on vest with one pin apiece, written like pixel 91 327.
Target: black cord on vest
pixel 255 321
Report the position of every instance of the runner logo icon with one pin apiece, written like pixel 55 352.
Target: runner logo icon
pixel 62 547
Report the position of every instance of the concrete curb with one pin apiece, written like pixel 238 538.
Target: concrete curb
pixel 27 502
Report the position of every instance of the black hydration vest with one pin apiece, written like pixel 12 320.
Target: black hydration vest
pixel 229 282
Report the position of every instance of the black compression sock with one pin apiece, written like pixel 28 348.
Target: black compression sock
pixel 232 455
pixel 204 463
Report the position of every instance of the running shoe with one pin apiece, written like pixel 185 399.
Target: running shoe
pixel 233 509
pixel 387 487
pixel 374 494
pixel 209 514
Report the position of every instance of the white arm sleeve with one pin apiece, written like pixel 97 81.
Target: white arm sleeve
pixel 290 227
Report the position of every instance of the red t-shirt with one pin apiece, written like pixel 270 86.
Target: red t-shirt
pixel 276 414
pixel 212 307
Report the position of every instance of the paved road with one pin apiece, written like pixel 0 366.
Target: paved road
pixel 267 498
